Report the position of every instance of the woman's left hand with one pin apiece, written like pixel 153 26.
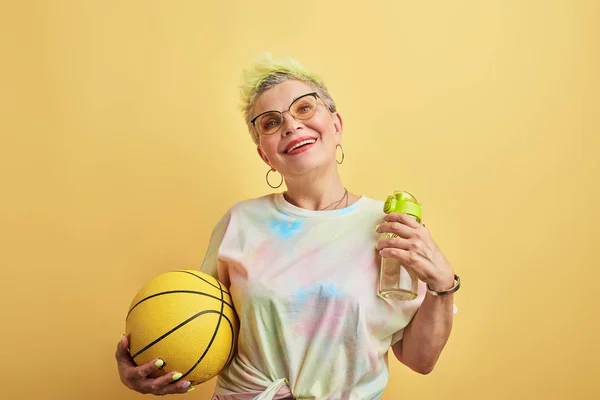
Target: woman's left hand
pixel 416 249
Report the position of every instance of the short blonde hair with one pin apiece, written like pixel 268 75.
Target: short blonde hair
pixel 268 72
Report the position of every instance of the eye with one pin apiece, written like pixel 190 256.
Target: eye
pixel 269 123
pixel 305 107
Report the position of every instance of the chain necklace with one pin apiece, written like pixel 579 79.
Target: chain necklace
pixel 336 203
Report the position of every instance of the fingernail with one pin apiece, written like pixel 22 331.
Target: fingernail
pixel 185 384
pixel 377 228
pixel 121 340
pixel 190 389
pixel 177 376
pixel 159 363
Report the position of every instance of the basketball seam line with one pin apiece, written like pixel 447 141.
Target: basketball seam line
pixel 178 291
pixel 201 278
pixel 221 315
pixel 164 335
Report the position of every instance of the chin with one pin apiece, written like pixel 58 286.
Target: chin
pixel 307 165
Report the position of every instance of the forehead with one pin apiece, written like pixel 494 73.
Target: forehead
pixel 281 96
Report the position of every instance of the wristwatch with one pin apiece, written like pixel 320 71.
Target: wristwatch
pixel 446 292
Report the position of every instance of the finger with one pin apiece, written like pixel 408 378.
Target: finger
pixel 172 388
pixel 144 370
pixel 122 354
pixel 167 384
pixel 413 244
pixel 183 387
pixel 403 218
pixel 394 242
pixel 396 228
pixel 420 266
pixel 406 257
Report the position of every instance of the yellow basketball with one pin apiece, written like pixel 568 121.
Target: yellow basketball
pixel 187 319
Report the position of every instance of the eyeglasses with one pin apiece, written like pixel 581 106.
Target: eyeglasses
pixel 301 109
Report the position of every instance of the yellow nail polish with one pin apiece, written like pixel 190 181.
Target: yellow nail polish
pixel 377 227
pixel 190 389
pixel 159 363
pixel 177 376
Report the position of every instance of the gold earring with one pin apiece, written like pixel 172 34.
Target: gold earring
pixel 336 160
pixel 269 183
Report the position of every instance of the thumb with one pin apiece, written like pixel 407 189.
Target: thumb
pixel 122 354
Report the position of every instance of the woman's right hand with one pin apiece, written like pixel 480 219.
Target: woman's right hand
pixel 136 378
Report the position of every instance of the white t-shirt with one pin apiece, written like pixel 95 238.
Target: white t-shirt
pixel 304 286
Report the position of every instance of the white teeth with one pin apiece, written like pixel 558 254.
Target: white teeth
pixel 302 143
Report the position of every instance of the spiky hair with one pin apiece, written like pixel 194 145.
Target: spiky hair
pixel 268 72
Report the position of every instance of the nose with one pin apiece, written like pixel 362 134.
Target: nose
pixel 289 124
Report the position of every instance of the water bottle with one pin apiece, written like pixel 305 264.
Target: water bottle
pixel 395 280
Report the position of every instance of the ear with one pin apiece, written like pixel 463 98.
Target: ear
pixel 263 156
pixel 338 124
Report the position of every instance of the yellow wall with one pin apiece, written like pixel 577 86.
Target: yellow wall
pixel 121 145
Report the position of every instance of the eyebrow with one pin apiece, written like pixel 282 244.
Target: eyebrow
pixel 302 95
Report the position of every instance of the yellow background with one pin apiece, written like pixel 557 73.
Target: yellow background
pixel 122 145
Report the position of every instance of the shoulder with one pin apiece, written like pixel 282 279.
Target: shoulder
pixel 371 206
pixel 243 208
pixel 240 211
pixel 252 205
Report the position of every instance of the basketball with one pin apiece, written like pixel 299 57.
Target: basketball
pixel 187 319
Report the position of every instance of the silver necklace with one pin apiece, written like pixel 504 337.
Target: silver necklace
pixel 336 203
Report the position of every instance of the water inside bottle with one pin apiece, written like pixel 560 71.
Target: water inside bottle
pixel 397 281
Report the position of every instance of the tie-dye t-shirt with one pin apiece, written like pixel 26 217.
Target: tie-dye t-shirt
pixel 304 285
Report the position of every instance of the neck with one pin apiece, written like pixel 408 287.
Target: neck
pixel 316 190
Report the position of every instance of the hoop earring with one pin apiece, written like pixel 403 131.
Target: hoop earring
pixel 269 183
pixel 336 160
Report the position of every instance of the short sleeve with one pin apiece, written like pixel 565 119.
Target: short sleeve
pixel 396 337
pixel 210 262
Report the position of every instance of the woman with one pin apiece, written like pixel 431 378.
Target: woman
pixel 302 266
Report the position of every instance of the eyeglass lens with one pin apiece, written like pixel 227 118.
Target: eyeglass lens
pixel 301 109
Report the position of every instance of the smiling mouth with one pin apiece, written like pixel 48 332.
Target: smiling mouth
pixel 300 144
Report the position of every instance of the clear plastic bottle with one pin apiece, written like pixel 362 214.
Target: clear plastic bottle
pixel 395 280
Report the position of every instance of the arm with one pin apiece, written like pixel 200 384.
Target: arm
pixel 426 335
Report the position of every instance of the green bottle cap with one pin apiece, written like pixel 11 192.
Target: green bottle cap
pixel 403 202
